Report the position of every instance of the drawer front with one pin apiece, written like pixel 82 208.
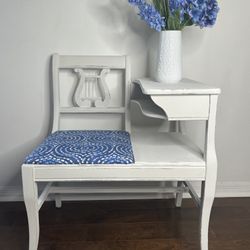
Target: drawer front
pixel 184 107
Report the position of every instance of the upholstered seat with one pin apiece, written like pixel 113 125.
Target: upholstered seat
pixel 84 147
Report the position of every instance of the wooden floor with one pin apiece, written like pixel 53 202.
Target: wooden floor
pixel 120 225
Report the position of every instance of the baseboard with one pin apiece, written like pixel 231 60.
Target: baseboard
pixel 11 193
pixel 224 189
pixel 233 189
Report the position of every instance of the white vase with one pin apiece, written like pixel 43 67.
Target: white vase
pixel 169 61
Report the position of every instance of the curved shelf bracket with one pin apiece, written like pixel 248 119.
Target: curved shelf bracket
pixel 150 109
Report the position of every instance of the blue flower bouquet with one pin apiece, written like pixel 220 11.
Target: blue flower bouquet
pixel 170 17
pixel 176 14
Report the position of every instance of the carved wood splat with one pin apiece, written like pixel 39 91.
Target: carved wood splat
pixel 86 92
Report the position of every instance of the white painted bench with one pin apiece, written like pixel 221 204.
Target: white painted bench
pixel 158 156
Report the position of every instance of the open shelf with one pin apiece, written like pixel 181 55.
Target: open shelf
pixel 149 108
pixel 162 148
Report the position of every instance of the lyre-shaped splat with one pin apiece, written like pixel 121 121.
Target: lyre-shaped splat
pixel 77 98
pixel 85 92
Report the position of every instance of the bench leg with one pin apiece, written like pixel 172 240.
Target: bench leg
pixel 209 185
pixel 207 198
pixel 179 196
pixel 30 193
pixel 58 201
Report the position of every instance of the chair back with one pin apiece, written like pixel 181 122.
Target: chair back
pixel 91 92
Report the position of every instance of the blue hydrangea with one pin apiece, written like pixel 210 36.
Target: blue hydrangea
pixel 176 5
pixel 202 13
pixel 149 14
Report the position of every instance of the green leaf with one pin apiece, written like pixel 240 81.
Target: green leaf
pixel 172 20
pixel 187 21
pixel 162 7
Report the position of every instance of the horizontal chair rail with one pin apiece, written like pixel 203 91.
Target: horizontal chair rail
pixel 54 189
pixel 119 190
pixel 123 173
pixel 113 62
pixel 75 110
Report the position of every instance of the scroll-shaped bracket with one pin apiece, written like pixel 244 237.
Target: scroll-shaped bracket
pixel 88 85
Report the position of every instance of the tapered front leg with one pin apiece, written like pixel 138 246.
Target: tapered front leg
pixel 208 192
pixel 209 185
pixel 30 194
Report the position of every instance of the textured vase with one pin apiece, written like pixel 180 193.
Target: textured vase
pixel 169 60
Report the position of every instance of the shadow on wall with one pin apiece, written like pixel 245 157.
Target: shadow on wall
pixel 122 31
pixel 13 158
pixel 120 22
pixel 49 96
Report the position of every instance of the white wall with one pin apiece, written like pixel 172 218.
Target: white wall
pixel 30 31
pixel 221 56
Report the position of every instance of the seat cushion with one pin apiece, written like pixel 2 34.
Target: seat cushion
pixel 84 147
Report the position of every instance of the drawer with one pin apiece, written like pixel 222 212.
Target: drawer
pixel 184 107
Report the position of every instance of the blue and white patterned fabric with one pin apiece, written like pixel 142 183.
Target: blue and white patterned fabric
pixel 84 147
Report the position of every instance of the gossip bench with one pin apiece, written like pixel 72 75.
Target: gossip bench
pixel 91 138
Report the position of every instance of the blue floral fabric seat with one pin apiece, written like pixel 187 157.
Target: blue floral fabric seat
pixel 84 147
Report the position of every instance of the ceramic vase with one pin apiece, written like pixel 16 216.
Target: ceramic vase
pixel 169 59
